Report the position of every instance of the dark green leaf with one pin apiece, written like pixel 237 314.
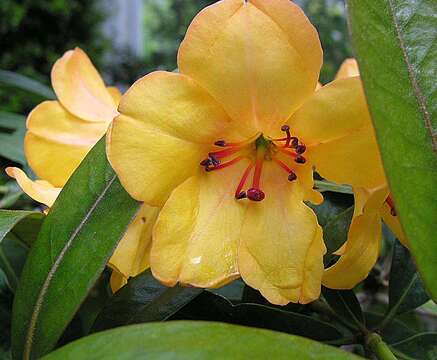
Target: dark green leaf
pixel 396 47
pixel 406 291
pixel 11 218
pixel 210 307
pixel 195 340
pixel 143 299
pixel 421 346
pixel 346 305
pixel 13 254
pixel 23 82
pixel 12 146
pixel 394 331
pixel 334 215
pixel 77 238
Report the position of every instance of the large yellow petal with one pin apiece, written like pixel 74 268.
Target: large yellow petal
pixel 131 256
pixel 57 141
pixel 348 68
pixel 166 127
pixel 260 59
pixel 39 190
pixel 80 88
pixel 336 127
pixel 362 247
pixel 281 247
pixel 394 224
pixel 196 236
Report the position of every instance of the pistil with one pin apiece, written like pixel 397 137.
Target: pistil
pixel 255 193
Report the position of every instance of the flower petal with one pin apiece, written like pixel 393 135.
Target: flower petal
pixel 57 141
pixel 196 236
pixel 117 280
pixel 348 68
pixel 362 247
pixel 80 88
pixel 335 126
pixel 394 224
pixel 281 248
pixel 115 94
pixel 39 190
pixel 166 127
pixel 260 59
pixel 131 256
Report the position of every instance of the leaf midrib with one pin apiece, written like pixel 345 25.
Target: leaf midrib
pixel 55 266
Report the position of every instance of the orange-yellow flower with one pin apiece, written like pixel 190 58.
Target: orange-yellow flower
pixel 244 107
pixel 59 135
pixel 373 204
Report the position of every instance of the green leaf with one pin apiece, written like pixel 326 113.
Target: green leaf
pixel 195 340
pixel 346 305
pixel 23 82
pixel 12 146
pixel 13 254
pixel 396 46
pixel 77 238
pixel 143 299
pixel 12 121
pixel 210 307
pixel 420 346
pixel 395 331
pixel 405 291
pixel 11 218
pixel 324 185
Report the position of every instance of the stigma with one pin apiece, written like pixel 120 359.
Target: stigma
pixel 287 152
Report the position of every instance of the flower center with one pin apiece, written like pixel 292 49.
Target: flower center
pixel 257 150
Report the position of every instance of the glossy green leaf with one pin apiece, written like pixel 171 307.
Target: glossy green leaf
pixel 77 238
pixel 143 299
pixel 25 83
pixel 346 305
pixel 420 346
pixel 406 291
pixel 210 307
pixel 12 146
pixel 396 46
pixel 12 121
pixel 11 218
pixel 195 340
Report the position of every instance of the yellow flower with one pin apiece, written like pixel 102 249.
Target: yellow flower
pixel 373 204
pixel 59 135
pixel 244 107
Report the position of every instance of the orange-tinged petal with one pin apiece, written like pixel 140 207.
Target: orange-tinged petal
pixel 259 59
pixel 39 190
pixel 80 88
pixel 394 224
pixel 166 127
pixel 281 247
pixel 115 94
pixel 363 244
pixel 196 237
pixel 57 141
pixel 335 126
pixel 131 256
pixel 348 68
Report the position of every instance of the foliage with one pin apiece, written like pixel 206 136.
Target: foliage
pixel 34 33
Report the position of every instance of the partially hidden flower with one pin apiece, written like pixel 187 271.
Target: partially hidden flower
pixel 373 203
pixel 59 135
pixel 227 148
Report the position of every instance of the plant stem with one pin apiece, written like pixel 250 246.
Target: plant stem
pixel 379 347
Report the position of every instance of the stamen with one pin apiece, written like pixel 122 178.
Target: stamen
pixel 291 174
pixel 300 149
pixel 240 144
pixel 223 153
pixel 300 159
pixel 226 164
pixel 255 193
pixel 220 143
pixel 239 194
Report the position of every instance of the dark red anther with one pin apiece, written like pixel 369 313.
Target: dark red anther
pixel 241 195
pixel 214 160
pixel 292 176
pixel 294 142
pixel 205 162
pixel 300 149
pixel 255 194
pixel 300 159
pixel 393 212
pixel 285 128
pixel 220 143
